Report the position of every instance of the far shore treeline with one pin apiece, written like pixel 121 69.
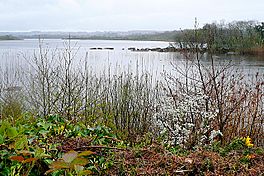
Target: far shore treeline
pixel 244 37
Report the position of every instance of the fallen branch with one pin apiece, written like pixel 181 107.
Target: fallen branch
pixel 98 147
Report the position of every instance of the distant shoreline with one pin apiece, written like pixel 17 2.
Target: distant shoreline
pixel 255 51
pixel 167 36
pixel 9 37
pixel 124 39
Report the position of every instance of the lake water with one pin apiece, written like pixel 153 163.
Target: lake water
pixel 120 58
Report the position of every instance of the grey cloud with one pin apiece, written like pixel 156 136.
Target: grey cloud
pixel 121 14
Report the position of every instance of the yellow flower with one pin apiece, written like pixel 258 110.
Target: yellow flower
pixel 248 142
pixel 62 127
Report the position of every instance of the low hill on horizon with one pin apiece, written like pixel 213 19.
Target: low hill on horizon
pixel 144 35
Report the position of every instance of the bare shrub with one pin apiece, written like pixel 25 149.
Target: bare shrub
pixel 56 83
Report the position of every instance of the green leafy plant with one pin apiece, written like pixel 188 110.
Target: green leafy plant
pixel 72 162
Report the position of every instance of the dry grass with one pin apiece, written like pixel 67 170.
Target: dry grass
pixel 155 160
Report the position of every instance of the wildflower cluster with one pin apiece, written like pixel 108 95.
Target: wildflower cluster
pixel 248 142
pixel 185 120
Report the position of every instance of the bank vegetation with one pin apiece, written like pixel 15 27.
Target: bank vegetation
pixel 60 118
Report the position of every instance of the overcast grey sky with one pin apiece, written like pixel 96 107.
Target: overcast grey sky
pixel 122 15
